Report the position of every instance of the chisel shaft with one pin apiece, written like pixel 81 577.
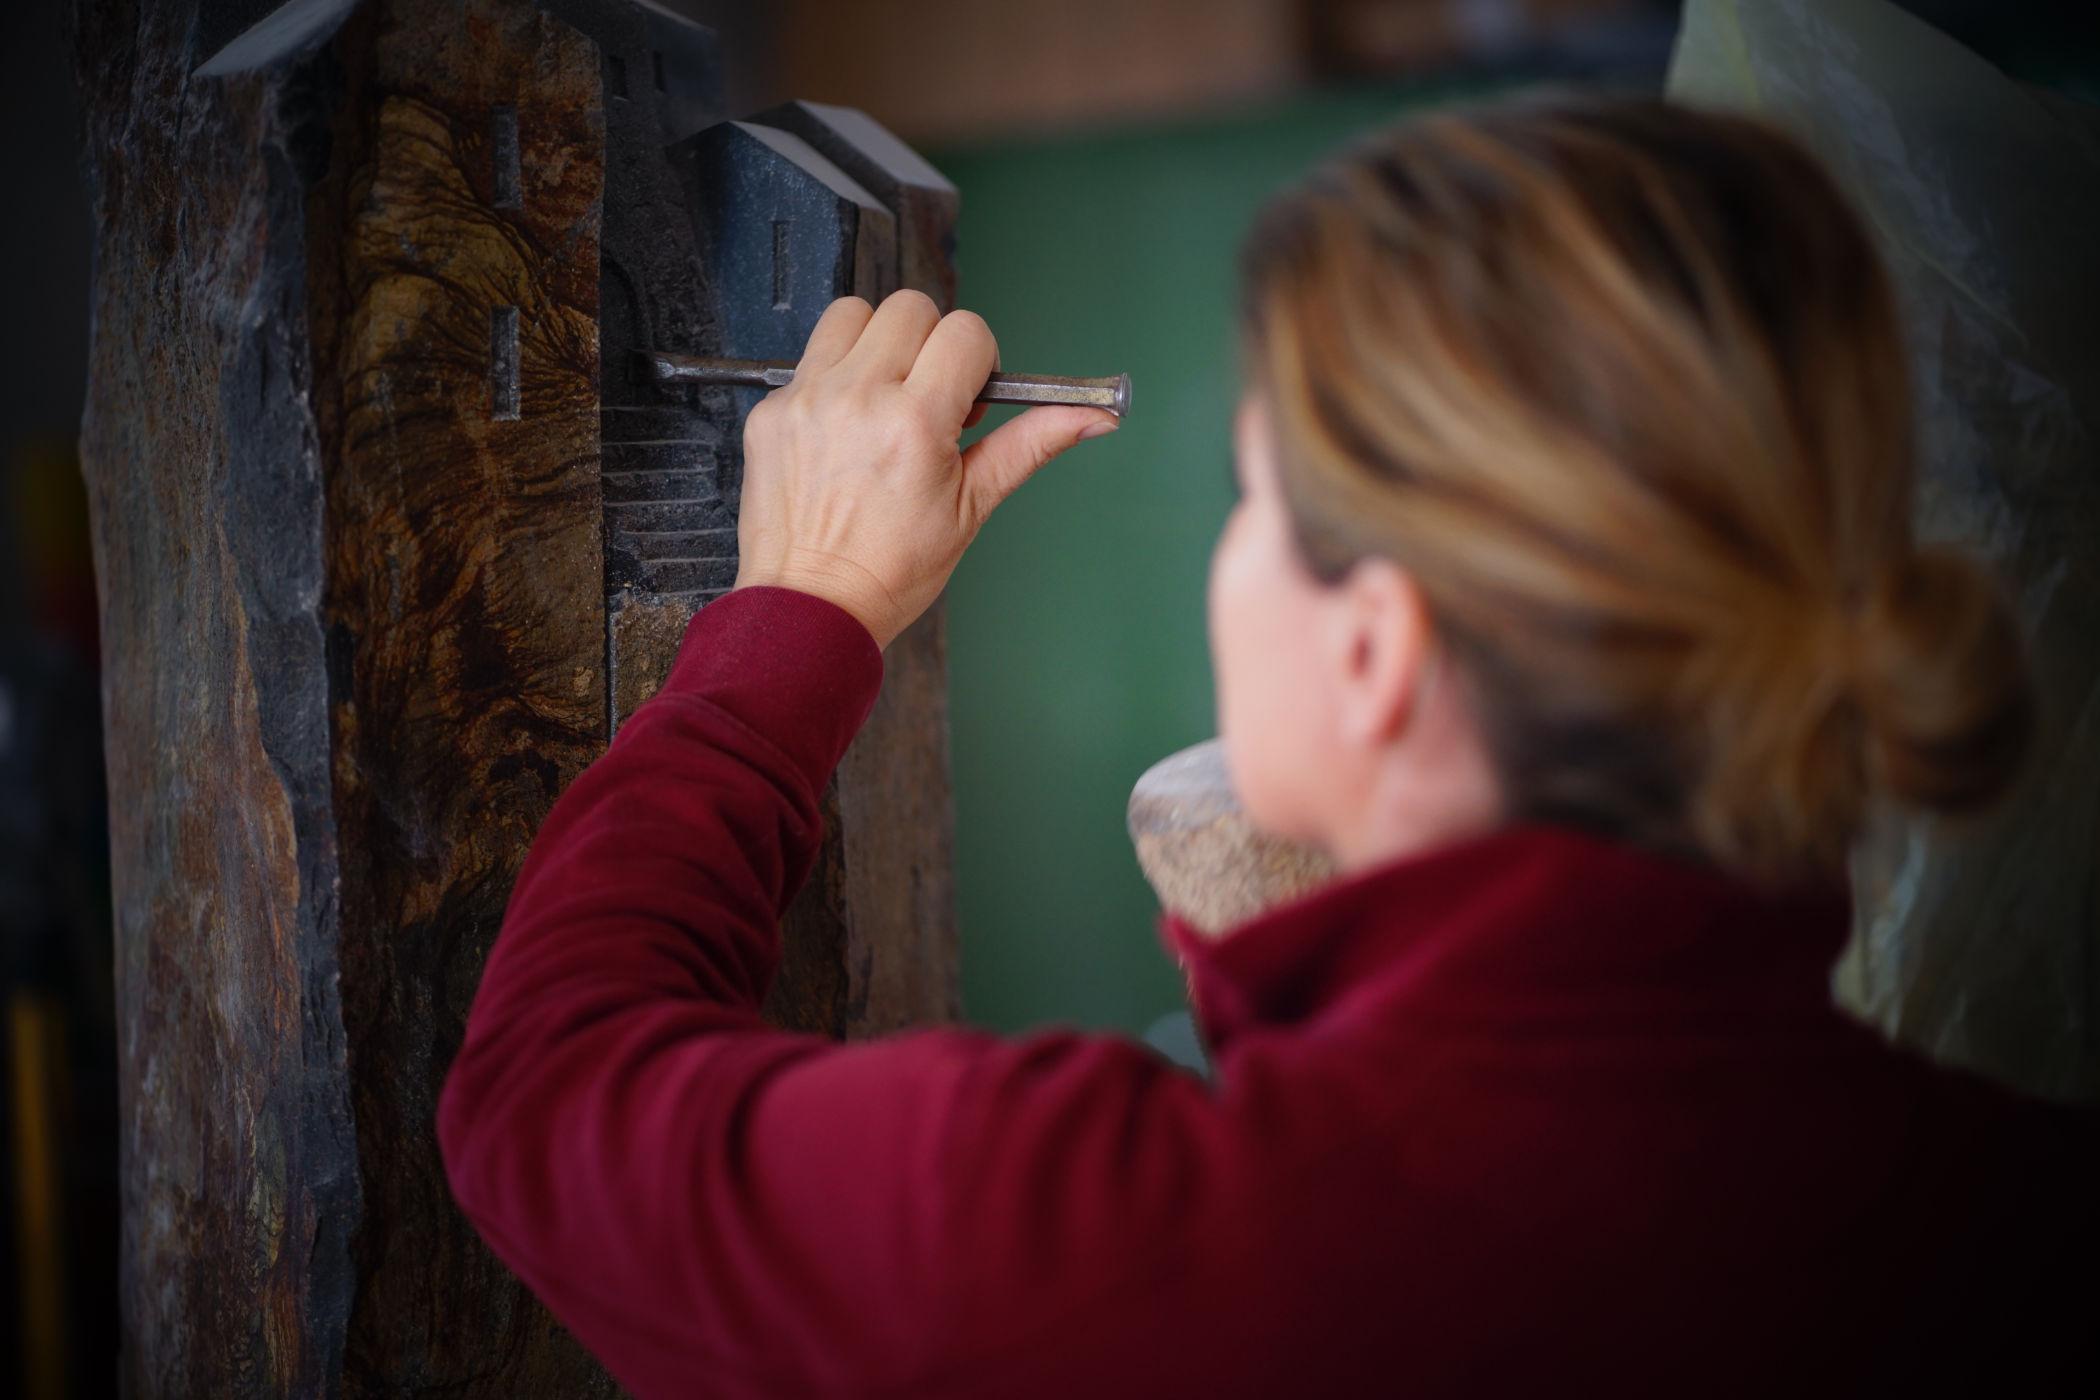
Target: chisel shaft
pixel 1112 393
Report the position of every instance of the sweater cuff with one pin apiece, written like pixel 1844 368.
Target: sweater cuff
pixel 800 671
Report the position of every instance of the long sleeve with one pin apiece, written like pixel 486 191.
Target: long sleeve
pixel 700 1197
pixel 1528 1113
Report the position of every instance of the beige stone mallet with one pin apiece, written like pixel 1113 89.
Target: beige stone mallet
pixel 1207 863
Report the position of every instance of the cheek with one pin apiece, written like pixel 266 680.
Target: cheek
pixel 1265 660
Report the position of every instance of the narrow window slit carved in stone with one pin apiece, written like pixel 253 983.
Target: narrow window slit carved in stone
pixel 616 76
pixel 783 262
pixel 503 362
pixel 506 177
pixel 658 60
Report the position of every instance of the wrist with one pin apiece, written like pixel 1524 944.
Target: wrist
pixel 846 587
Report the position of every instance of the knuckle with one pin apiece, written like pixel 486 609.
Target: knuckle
pixel 972 327
pixel 911 299
pixel 762 424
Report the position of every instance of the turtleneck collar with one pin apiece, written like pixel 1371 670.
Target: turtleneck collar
pixel 1520 923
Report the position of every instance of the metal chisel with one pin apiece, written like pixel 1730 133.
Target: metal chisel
pixel 1112 393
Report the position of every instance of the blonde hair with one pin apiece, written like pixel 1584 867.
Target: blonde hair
pixel 1621 386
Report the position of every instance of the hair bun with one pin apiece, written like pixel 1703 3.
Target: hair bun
pixel 1943 684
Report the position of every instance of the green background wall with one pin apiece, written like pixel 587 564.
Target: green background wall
pixel 1077 655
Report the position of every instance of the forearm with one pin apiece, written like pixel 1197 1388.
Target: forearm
pixel 694 1194
pixel 647 913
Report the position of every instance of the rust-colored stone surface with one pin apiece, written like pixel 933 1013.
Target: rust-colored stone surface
pixel 456 330
pixel 645 636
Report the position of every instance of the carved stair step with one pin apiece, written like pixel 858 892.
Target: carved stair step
pixel 667 546
pixel 630 518
pixel 689 575
pixel 658 454
pixel 693 487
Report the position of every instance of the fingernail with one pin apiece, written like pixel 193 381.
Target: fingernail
pixel 1108 426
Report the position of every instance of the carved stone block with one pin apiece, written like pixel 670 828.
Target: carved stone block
pixel 924 203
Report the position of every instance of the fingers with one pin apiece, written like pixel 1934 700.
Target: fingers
pixel 953 364
pixel 835 333
pixel 995 467
pixel 944 360
pixel 890 344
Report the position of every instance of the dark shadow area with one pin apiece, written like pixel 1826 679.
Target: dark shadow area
pixel 58 1232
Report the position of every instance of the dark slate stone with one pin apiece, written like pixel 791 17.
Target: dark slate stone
pixel 920 198
pixel 199 448
pixel 238 36
pixel 786 227
pixel 622 487
pixel 660 422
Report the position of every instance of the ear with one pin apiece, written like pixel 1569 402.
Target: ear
pixel 1386 637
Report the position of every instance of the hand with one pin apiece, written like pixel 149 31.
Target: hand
pixel 856 488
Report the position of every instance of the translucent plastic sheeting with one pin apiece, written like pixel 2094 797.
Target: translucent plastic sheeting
pixel 1978 942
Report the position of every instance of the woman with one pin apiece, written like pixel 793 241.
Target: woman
pixel 1571 603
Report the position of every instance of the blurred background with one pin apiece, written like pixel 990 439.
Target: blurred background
pixel 1109 155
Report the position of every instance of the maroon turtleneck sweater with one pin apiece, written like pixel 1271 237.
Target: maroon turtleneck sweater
pixel 1532 1114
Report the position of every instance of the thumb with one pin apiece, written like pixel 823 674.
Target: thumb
pixel 996 465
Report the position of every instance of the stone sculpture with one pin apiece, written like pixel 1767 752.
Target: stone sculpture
pixel 391 537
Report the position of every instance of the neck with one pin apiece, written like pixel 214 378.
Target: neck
pixel 1430 785
pixel 1413 821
